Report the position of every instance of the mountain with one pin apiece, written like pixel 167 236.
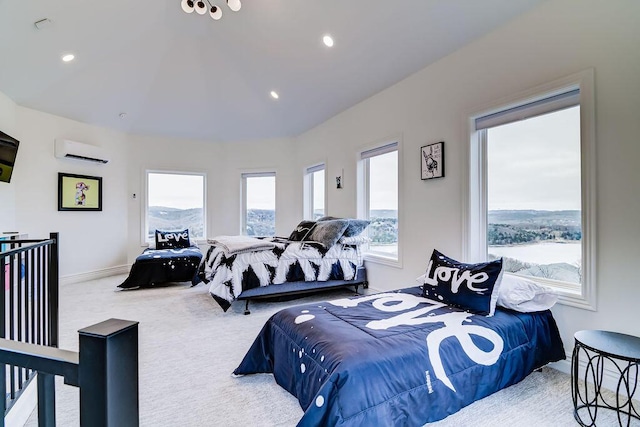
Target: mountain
pixel 164 218
pixel 568 217
pixel 261 222
pixel 512 227
pixel 384 213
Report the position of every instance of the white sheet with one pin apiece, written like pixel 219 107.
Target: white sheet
pixel 239 244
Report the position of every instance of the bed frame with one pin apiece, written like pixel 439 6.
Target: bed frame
pixel 299 288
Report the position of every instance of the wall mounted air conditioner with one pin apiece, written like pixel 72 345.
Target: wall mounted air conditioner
pixel 65 149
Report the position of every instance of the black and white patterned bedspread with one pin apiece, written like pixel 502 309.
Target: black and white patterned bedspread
pixel 229 275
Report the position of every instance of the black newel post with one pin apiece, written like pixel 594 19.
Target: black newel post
pixel 108 374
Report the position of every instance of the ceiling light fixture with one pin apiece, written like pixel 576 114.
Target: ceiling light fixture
pixel 274 94
pixel 200 7
pixel 328 40
pixel 68 57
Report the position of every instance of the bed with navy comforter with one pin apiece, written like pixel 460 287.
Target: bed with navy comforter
pixel 156 266
pixel 397 358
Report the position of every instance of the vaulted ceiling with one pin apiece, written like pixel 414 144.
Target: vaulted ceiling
pixel 186 75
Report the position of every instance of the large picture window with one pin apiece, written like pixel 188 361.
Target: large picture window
pixel 314 193
pixel 175 201
pixel 534 207
pixel 259 204
pixel 530 190
pixel 379 198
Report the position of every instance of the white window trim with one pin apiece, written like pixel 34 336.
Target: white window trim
pixel 243 193
pixel 474 194
pixel 144 212
pixel 308 193
pixel 363 197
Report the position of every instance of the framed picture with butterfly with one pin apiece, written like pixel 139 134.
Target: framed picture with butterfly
pixel 432 160
pixel 79 192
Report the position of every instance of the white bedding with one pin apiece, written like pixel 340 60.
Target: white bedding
pixel 239 244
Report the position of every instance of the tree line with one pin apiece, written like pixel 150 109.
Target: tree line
pixel 518 234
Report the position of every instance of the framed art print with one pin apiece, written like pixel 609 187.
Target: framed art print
pixel 432 160
pixel 79 192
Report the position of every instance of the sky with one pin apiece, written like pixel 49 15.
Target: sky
pixel 176 190
pixel 185 191
pixel 318 190
pixel 535 163
pixel 383 181
pixel 261 192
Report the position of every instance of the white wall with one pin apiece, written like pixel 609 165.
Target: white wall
pixel 7 190
pixel 559 38
pixel 89 241
pixel 164 154
pixel 275 155
pixel 223 163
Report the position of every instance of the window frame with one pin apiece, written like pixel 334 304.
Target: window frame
pixel 243 195
pixel 363 196
pixel 144 238
pixel 475 194
pixel 309 191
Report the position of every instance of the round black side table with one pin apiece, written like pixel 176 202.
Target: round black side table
pixel 620 353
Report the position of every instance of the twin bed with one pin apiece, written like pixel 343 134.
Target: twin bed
pixel 399 358
pixel 157 266
pixel 317 255
pixel 173 258
pixel 280 267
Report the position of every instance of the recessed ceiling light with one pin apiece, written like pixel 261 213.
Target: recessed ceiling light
pixel 274 94
pixel 68 57
pixel 328 40
pixel 122 115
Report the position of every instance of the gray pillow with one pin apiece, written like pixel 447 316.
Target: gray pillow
pixel 355 227
pixel 327 232
pixel 327 218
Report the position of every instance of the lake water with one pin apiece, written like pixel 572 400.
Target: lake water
pixel 541 253
pixel 537 253
pixel 387 249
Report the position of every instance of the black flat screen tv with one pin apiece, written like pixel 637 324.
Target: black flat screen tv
pixel 8 151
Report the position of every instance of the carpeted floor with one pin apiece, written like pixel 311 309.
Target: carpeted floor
pixel 189 347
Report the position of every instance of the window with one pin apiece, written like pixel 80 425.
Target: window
pixel 379 198
pixel 175 201
pixel 259 204
pixel 531 190
pixel 314 181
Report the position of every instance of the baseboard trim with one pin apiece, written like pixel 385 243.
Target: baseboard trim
pixel 609 380
pixel 94 275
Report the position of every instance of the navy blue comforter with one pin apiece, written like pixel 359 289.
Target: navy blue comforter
pixel 397 358
pixel 155 266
